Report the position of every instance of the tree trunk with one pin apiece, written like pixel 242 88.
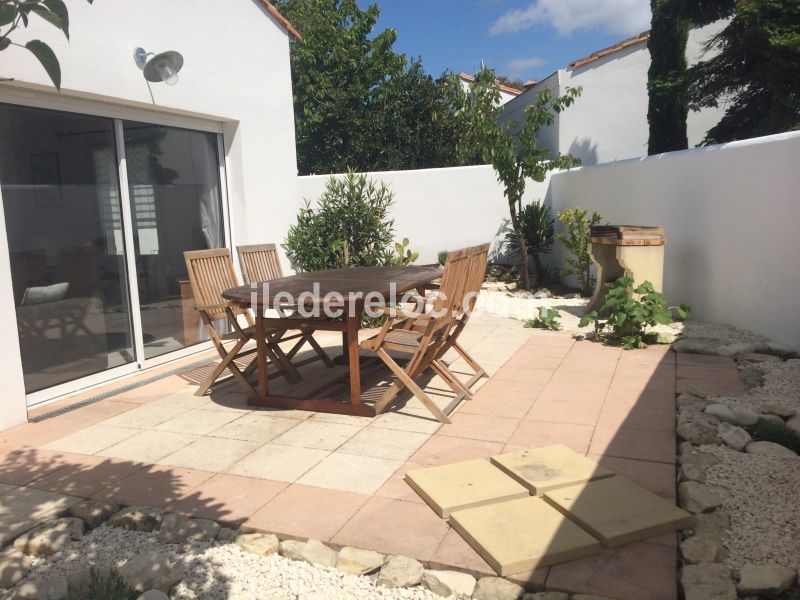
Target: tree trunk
pixel 537 264
pixel 522 246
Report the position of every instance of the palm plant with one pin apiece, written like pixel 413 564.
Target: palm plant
pixel 538 228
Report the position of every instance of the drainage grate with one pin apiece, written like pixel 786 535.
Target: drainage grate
pixel 119 390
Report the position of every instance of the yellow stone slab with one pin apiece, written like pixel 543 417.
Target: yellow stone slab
pixel 463 485
pixel 549 467
pixel 617 511
pixel 523 534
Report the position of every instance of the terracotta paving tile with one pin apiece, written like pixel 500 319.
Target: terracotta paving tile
pixel 304 512
pixel 85 475
pixel 683 358
pixel 149 446
pixel 350 473
pixel 396 487
pixel 523 374
pixel 656 446
pixel 519 361
pixel 636 417
pixel 632 572
pixel 575 390
pixel 480 427
pixel 635 398
pixel 531 352
pixel 454 552
pixel 30 435
pixel 580 413
pixel 229 499
pixel 650 370
pixel 105 409
pixel 497 406
pixel 532 434
pixel 394 527
pixel 92 439
pixel 20 466
pixel 656 383
pixel 440 450
pixel 715 386
pixel 154 485
pixel 509 389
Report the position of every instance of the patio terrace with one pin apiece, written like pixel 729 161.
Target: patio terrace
pixel 339 479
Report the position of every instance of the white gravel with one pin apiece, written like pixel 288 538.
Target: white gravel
pixel 760 496
pixel 217 570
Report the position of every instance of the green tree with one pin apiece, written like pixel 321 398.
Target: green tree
pixel 755 72
pixel 668 103
pixel 336 69
pixel 512 149
pixel 16 13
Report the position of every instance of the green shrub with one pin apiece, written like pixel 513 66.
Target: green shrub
pixel 538 228
pixel 576 240
pixel 622 319
pixel 349 227
pixel 402 255
pixel 547 319
pixel 441 256
pixel 107 585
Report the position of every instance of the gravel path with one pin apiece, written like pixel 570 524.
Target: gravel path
pixel 217 570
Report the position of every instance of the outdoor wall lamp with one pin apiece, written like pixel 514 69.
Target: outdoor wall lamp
pixel 159 67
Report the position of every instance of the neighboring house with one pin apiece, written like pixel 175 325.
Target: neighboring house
pixel 506 93
pixel 105 184
pixel 609 121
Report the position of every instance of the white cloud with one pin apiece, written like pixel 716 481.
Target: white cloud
pixel 520 66
pixel 619 17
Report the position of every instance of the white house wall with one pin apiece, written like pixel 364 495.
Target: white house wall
pixel 236 75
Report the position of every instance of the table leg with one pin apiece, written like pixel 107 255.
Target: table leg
pixel 351 352
pixel 261 354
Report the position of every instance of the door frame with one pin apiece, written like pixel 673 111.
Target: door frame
pixel 118 114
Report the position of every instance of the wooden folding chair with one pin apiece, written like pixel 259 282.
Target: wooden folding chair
pixel 260 263
pixel 478 256
pixel 211 273
pixel 424 341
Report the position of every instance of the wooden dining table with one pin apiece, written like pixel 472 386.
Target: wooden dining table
pixel 341 289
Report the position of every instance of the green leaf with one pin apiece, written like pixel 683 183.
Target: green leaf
pixel 4 43
pixel 51 18
pixel 59 9
pixel 683 311
pixel 8 12
pixel 45 55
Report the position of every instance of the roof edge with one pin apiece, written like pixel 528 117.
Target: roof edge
pixel 280 18
pixel 499 86
pixel 620 45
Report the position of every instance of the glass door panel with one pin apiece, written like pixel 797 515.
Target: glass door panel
pixel 174 187
pixel 58 177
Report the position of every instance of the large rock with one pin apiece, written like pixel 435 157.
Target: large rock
pixel 226 534
pixel 93 513
pixel 177 529
pixel 745 416
pixel 769 580
pixel 721 412
pixel 137 518
pixel 291 549
pixel 769 449
pixel 707 581
pixel 735 437
pixel 497 588
pixel 14 565
pixel 793 423
pixel 697 345
pixel 354 561
pixel 736 348
pixel 712 525
pixel 700 549
pixel 400 572
pixel 52 588
pixel 258 543
pixel 697 427
pixel 448 583
pixel 153 595
pixel 694 465
pixel 151 570
pixel 782 409
pixel 546 596
pixel 688 401
pixel 698 498
pixel 48 538
pixel 316 553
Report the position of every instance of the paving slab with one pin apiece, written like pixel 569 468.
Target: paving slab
pixel 549 468
pixel 617 511
pixel 522 534
pixel 461 485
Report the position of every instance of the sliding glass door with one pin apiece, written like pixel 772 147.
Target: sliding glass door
pixel 99 280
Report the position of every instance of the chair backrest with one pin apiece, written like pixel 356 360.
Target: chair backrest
pixel 449 299
pixel 259 263
pixel 211 273
pixel 479 256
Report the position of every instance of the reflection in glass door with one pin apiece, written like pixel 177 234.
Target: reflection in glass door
pixel 176 205
pixel 58 178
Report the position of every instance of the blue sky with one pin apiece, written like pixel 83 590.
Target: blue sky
pixel 520 38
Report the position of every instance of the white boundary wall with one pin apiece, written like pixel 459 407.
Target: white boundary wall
pixel 731 215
